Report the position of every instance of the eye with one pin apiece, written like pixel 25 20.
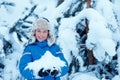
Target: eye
pixel 45 31
pixel 38 30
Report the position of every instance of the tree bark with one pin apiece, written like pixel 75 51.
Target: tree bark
pixel 89 52
pixel 88 3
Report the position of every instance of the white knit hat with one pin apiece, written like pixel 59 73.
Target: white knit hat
pixel 43 23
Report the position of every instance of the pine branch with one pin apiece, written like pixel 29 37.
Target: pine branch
pixel 21 21
pixel 7 3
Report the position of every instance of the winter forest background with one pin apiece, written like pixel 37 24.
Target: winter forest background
pixel 88 32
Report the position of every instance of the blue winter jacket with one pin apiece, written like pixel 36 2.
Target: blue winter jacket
pixel 33 52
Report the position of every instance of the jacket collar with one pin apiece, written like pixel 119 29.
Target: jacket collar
pixel 42 44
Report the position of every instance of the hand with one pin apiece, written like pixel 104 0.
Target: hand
pixel 55 72
pixel 46 72
pixel 43 72
pixel 40 73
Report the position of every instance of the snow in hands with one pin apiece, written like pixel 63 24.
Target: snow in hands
pixel 47 61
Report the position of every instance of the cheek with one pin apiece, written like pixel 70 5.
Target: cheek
pixel 46 34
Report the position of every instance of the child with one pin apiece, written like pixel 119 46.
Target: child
pixel 43 40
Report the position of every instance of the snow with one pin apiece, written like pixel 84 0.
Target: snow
pixel 101 38
pixel 110 49
pixel 83 76
pixel 1 43
pixel 70 35
pixel 4 33
pixel 116 78
pixel 108 9
pixel 47 61
pixel 16 13
pixel 118 53
pixel 99 35
pixel 10 69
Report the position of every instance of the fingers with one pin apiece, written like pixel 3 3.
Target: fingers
pixel 55 72
pixel 43 72
pixel 46 72
pixel 40 73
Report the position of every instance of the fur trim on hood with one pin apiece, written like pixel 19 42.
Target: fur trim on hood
pixel 42 23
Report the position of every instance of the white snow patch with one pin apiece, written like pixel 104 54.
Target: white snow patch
pixel 47 61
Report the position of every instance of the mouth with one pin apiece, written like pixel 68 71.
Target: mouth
pixel 40 38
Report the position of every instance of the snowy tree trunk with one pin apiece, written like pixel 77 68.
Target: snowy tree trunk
pixel 90 52
pixel 88 3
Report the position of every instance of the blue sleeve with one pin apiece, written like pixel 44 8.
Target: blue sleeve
pixel 25 59
pixel 64 69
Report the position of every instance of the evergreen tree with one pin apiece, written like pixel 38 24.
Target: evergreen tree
pixel 74 36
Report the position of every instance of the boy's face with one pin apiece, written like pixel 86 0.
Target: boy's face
pixel 41 34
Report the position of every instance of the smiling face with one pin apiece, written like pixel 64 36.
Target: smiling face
pixel 41 34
